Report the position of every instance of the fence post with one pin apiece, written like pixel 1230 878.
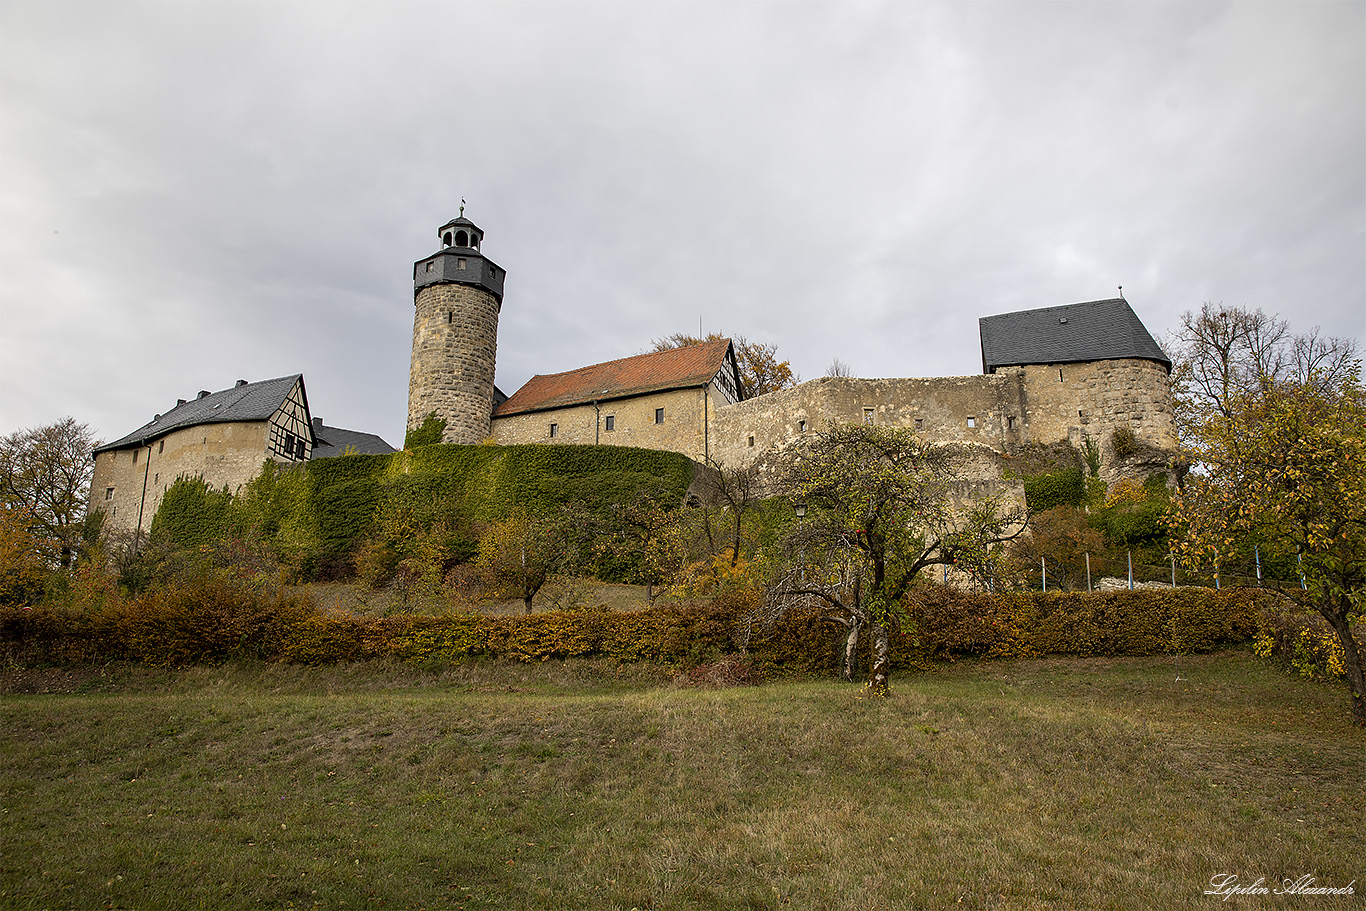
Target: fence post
pixel 1257 555
pixel 1043 573
pixel 1173 559
pixel 1088 572
pixel 1299 558
pixel 1131 569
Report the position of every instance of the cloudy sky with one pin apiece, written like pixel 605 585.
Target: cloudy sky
pixel 196 192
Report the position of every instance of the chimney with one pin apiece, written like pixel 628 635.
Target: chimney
pixel 241 382
pixel 203 394
pixel 317 426
pixel 179 402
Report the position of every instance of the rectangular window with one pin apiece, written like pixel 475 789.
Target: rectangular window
pixel 1059 374
pixel 1010 423
pixel 109 493
pixel 135 456
pixel 610 423
pixel 751 441
pixel 867 415
pixel 156 479
pixel 972 422
pixel 429 267
pixel 919 423
pixel 161 447
pixel 801 426
pixel 460 263
pixel 289 444
pixel 554 430
pixel 659 415
pixel 300 448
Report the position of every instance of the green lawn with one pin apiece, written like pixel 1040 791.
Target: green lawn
pixel 1044 784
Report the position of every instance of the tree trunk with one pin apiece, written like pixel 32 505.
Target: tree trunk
pixel 1337 616
pixel 879 683
pixel 851 648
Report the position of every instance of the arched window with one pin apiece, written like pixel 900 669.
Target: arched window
pixel 462 239
pixel 446 240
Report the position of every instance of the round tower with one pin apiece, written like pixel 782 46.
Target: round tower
pixel 457 294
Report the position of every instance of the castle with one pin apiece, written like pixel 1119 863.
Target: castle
pixel 1079 373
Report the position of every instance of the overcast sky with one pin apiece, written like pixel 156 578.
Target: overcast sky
pixel 192 193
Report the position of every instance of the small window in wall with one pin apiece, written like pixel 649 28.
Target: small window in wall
pixel 554 430
pixel 610 423
pixel 972 422
pixel 801 426
pixel 446 239
pixel 867 415
pixel 659 415
pixel 135 456
pixel 460 262
pixel 430 266
pixel 450 317
pixel 751 440
pixel 300 448
pixel 109 493
pixel 161 447
pixel 1059 374
pixel 1010 422
pixel 919 423
pixel 156 478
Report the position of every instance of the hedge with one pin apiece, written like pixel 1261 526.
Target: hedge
pixel 220 618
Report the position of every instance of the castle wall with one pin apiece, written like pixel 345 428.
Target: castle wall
pixel 683 427
pixel 455 342
pixel 985 410
pixel 1092 400
pixel 129 481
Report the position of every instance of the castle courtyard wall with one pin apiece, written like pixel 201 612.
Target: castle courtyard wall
pixel 985 410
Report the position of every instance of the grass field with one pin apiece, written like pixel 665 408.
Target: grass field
pixel 1062 784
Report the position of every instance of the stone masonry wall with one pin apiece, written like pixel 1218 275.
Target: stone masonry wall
pixel 223 454
pixel 986 410
pixel 1092 400
pixel 455 345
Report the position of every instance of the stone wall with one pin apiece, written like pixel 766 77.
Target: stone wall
pixel 455 345
pixel 128 483
pixel 1091 400
pixel 972 409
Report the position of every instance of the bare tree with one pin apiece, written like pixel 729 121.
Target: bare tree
pixel 1221 353
pixel 839 368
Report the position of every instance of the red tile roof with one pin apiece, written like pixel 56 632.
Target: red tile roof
pixel 676 368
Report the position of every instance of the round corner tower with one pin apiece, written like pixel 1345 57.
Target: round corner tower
pixel 457 294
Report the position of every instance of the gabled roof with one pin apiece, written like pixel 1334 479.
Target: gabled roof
pixel 674 368
pixel 333 441
pixel 243 402
pixel 1091 331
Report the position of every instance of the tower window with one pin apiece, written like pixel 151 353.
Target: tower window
pixel 430 266
pixel 135 456
pixel 462 239
pixel 867 415
pixel 1010 422
pixel 109 493
pixel 659 415
pixel 460 262
pixel 919 423
pixel 554 430
pixel 972 422
pixel 751 441
pixel 801 426
pixel 445 242
pixel 610 423
pixel 161 447
pixel 450 317
pixel 1059 374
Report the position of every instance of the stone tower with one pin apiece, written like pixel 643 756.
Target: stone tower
pixel 457 294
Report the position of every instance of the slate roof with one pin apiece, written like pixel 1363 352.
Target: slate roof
pixel 1091 331
pixel 244 402
pixel 333 441
pixel 675 368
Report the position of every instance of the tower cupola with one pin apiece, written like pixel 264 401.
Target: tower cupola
pixel 460 232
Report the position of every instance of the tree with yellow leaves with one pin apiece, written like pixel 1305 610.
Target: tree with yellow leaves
pixel 1281 462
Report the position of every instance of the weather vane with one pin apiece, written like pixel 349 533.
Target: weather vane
pixel 462 207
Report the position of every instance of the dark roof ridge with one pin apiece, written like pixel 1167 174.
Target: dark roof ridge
pixel 247 402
